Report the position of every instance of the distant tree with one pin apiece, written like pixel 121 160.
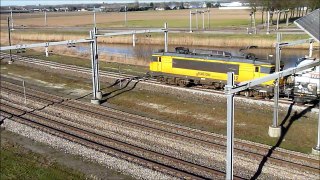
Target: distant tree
pixel 136 4
pixel 217 4
pixel 151 5
pixel 313 4
pixel 209 4
pixel 72 8
pixel 181 6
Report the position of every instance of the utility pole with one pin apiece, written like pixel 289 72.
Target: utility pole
pixel 190 21
pixel 310 49
pixel 47 52
pixel 254 22
pixel 166 37
pixel 99 93
pixel 24 92
pixel 134 40
pixel 278 18
pixel 208 18
pixel 11 15
pixel 230 126
pixel 203 20
pixel 287 17
pixel 197 25
pixel 9 34
pixel 45 18
pixel 94 17
pixel 125 16
pixel 268 23
pixel 275 130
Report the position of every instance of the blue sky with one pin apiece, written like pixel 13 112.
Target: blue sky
pixel 55 2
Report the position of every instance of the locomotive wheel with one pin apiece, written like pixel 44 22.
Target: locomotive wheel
pixel 161 79
pixel 257 95
pixel 181 83
pixel 216 85
pixel 248 93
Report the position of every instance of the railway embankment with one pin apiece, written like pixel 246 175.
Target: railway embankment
pixel 199 109
pixel 109 128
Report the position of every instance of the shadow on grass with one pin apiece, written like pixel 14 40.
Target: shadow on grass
pixel 284 130
pixel 124 84
pixel 123 88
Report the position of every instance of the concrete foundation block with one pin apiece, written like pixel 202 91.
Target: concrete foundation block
pixel 95 101
pixel 99 95
pixel 316 151
pixel 274 131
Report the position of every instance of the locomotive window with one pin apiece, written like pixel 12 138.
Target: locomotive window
pixel 257 69
pixel 267 70
pixel 154 58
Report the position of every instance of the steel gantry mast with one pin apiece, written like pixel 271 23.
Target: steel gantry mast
pixel 231 90
pixel 93 42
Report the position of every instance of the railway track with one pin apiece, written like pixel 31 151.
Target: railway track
pixel 210 141
pixel 150 159
pixel 123 77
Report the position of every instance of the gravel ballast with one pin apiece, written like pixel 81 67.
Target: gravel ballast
pixel 76 149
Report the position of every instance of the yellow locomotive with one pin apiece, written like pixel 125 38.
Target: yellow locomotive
pixel 209 68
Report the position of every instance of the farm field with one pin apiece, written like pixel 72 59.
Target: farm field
pixel 175 19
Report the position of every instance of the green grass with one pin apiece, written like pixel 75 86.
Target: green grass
pixel 18 163
pixel 251 123
pixel 53 78
pixel 83 62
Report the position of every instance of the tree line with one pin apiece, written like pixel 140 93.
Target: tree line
pixel 293 8
pixel 272 5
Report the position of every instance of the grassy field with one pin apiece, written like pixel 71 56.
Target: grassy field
pixel 175 18
pixel 220 20
pixel 85 62
pixel 208 116
pixel 20 163
pixel 179 39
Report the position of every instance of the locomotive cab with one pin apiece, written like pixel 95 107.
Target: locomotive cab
pixel 155 64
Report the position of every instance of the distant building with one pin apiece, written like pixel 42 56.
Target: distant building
pixel 203 5
pixel 159 9
pixel 233 5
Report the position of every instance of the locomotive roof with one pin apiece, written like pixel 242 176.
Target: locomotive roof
pixel 216 57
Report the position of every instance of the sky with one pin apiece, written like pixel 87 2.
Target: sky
pixel 55 2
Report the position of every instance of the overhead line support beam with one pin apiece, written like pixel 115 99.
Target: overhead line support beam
pixel 293 43
pixel 46 44
pixel 248 84
pixel 131 32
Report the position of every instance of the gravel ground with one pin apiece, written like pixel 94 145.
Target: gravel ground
pixel 76 149
pixel 197 153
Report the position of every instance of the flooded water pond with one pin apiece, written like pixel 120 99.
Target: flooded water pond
pixel 289 56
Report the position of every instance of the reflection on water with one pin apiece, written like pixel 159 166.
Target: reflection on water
pixel 289 56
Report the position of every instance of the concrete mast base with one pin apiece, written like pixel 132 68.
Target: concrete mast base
pixel 99 95
pixel 95 101
pixel 316 151
pixel 274 131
